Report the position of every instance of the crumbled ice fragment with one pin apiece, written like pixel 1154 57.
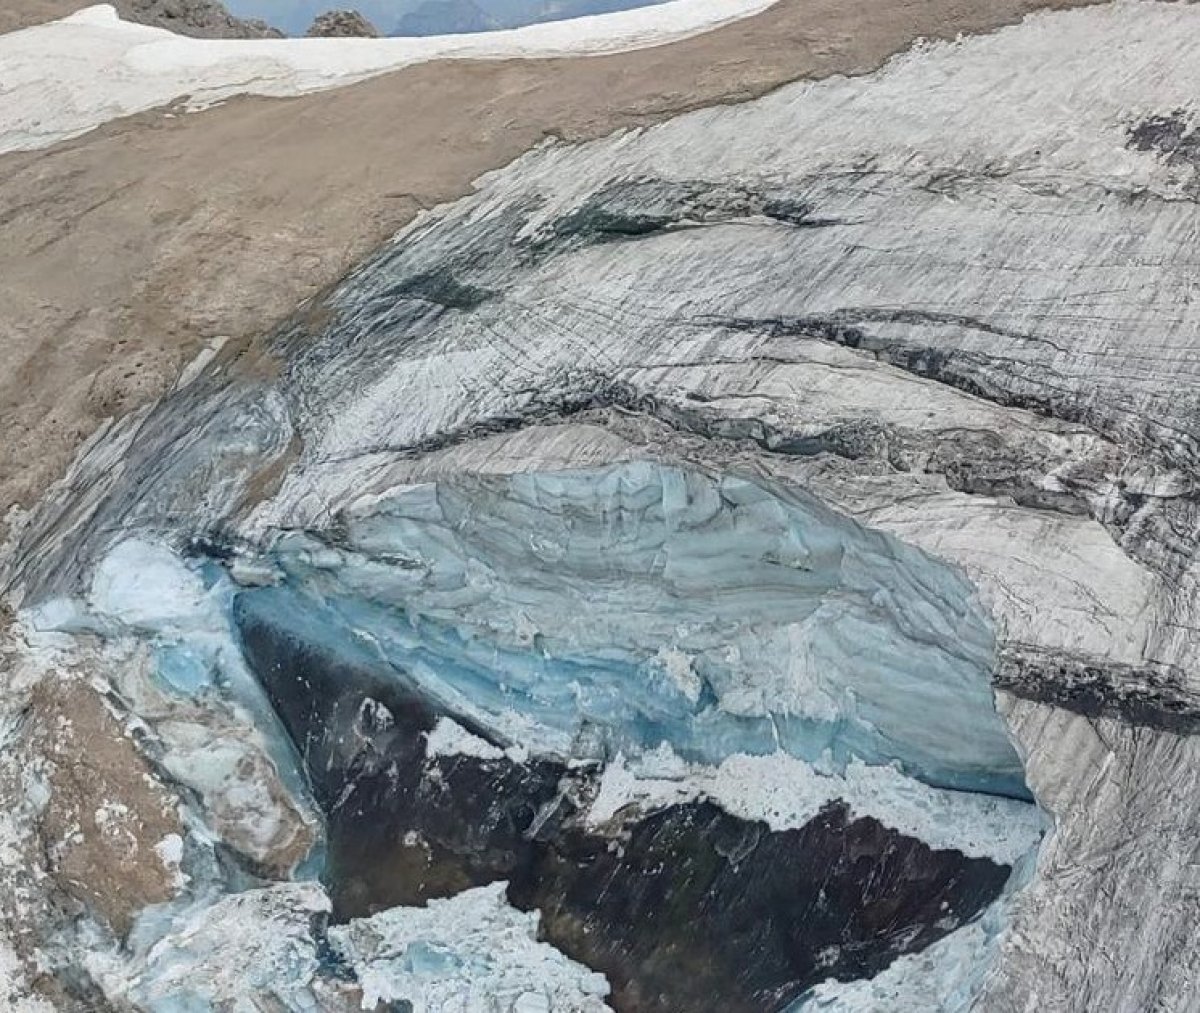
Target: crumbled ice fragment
pixel 784 791
pixel 473 951
pixel 252 573
pixel 146 586
pixel 677 665
pixel 449 738
pixel 251 950
pixel 532 1002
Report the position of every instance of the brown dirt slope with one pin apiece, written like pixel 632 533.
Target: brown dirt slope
pixel 123 251
pixel 16 14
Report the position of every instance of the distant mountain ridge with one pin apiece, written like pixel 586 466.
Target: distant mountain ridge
pixel 445 17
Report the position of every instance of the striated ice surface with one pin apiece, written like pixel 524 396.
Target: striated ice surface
pixel 769 435
pixel 642 604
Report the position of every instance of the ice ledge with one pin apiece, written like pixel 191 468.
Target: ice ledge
pixel 784 792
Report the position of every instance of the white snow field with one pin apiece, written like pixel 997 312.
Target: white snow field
pixel 67 77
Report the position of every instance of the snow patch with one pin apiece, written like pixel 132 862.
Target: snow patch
pixel 67 77
pixel 170 853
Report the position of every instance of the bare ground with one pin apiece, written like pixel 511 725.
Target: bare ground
pixel 18 14
pixel 123 251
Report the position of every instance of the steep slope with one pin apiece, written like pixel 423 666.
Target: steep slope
pixel 104 304
pixel 761 437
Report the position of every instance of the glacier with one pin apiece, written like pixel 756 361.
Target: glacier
pixel 548 601
pixel 609 650
pixel 795 499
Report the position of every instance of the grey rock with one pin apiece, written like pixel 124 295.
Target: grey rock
pixel 952 302
pixel 342 24
pixel 205 19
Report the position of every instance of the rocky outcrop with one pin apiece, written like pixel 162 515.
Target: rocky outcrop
pixel 203 19
pixel 774 434
pixel 342 24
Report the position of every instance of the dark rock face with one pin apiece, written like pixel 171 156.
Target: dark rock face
pixel 204 19
pixel 342 24
pixel 688 908
pixel 1171 135
pixel 698 910
pixel 1147 696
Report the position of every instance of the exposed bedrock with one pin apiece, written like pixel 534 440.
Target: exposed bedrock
pixel 687 907
pixel 204 19
pixel 707 479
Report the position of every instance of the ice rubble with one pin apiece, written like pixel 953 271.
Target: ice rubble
pixel 469 952
pixel 526 601
pixel 784 792
pixel 271 948
pixel 177 663
pixel 64 78
pixel 243 951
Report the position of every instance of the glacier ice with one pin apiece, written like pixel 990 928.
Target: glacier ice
pixel 543 605
pixel 763 438
pixel 742 644
pixel 469 952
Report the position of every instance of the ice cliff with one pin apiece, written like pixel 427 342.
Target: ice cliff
pixel 627 560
